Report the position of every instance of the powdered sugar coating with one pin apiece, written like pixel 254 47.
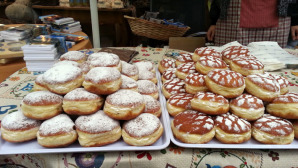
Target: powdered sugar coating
pixel 249 63
pixel 96 123
pixel 151 105
pixel 61 74
pixel 226 78
pixel 102 75
pixel 17 121
pixel 144 65
pixel 209 96
pixel 283 82
pixel 232 124
pixel 80 94
pixel 143 125
pixel 187 68
pixel 125 98
pixel 206 51
pixel 42 98
pixel 169 74
pixel 184 58
pixel 168 63
pixel 146 87
pixel 58 124
pixel 129 69
pixel 73 56
pixel 265 81
pixel 235 51
pixel 212 62
pixel 274 125
pixel 39 80
pixel 287 98
pixel 174 86
pixel 146 75
pixel 85 67
pixel 103 59
pixel 181 100
pixel 128 83
pixel 248 102
pixel 66 62
pixel 193 122
pixel 195 79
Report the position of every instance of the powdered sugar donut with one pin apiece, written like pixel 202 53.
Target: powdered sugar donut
pixel 76 56
pixel 104 59
pixel 97 129
pixel 206 64
pixel 193 127
pixel 225 82
pixel 145 65
pixel 173 86
pixel 152 106
pixel 273 130
pixel 63 79
pixel 166 63
pixel 39 84
pixel 102 80
pixel 130 70
pixel 263 86
pixel 58 131
pixel 247 65
pixel 85 67
pixel 147 75
pixel 283 83
pixel 41 105
pixel 124 105
pixel 178 103
pixel 194 83
pixel 169 74
pixel 248 107
pixel 210 103
pixel 81 102
pixel 285 106
pixel 128 83
pixel 15 127
pixel 183 58
pixel 232 52
pixel 66 62
pixel 146 87
pixel 184 69
pixel 144 130
pixel 231 129
pixel 205 51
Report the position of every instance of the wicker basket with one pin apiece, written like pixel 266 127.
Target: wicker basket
pixel 153 30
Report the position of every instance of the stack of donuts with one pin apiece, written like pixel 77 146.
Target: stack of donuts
pixel 227 96
pixel 94 99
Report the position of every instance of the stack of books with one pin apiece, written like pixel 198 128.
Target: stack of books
pixel 15 34
pixel 61 24
pixel 40 57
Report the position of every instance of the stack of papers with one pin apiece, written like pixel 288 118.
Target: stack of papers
pixel 15 34
pixel 61 24
pixel 40 57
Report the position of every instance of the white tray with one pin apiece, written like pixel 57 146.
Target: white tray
pixel 34 147
pixel 214 143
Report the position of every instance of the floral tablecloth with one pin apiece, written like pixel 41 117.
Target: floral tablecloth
pixel 14 88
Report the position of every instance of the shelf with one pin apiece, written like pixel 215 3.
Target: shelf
pixel 80 8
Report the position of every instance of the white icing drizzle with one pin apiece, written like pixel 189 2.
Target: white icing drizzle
pixel 187 67
pixel 213 62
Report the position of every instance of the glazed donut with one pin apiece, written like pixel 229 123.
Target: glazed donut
pixel 146 87
pixel 205 51
pixel 264 86
pixel 102 80
pixel 152 106
pixel 145 65
pixel 15 127
pixel 130 70
pixel 63 79
pixel 234 51
pixel 183 58
pixel 178 103
pixel 184 69
pixel 206 63
pixel 283 83
pixel 231 129
pixel 193 127
pixel 39 84
pixel 76 56
pixel 169 74
pixel 284 106
pixel 81 102
pixel 173 86
pixel 66 62
pixel 247 65
pixel 194 83
pixel 58 131
pixel 225 82
pixel 273 130
pixel 166 63
pixel 209 103
pixel 97 129
pixel 248 107
pixel 129 83
pixel 295 127
pixel 144 130
pixel 104 59
pixel 41 105
pixel 124 105
pixel 147 75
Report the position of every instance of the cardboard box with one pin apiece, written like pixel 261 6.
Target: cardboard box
pixel 186 43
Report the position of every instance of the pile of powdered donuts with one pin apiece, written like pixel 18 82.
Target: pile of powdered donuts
pixel 94 99
pixel 228 96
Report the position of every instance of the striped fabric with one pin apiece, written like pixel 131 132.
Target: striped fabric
pixel 228 30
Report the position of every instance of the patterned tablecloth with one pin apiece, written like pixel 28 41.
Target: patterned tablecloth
pixel 14 88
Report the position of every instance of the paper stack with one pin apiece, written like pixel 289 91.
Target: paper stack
pixel 15 34
pixel 61 24
pixel 40 57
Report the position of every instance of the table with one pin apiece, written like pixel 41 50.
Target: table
pixel 15 88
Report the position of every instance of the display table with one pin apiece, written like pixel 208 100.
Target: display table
pixel 15 87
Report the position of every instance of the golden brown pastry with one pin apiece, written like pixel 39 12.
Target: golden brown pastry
pixel 295 127
pixel 39 84
pixel 183 58
pixel 128 83
pixel 104 59
pixel 76 56
pixel 234 51
pixel 184 69
pixel 166 63
pixel 247 65
pixel 173 86
pixel 205 51
pixel 283 83
pixel 130 70
pixel 146 87
pixel 169 74
pixel 194 83
pixel 178 103
pixel 152 106
pixel 207 63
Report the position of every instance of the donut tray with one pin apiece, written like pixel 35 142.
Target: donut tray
pixel 34 147
pixel 214 143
